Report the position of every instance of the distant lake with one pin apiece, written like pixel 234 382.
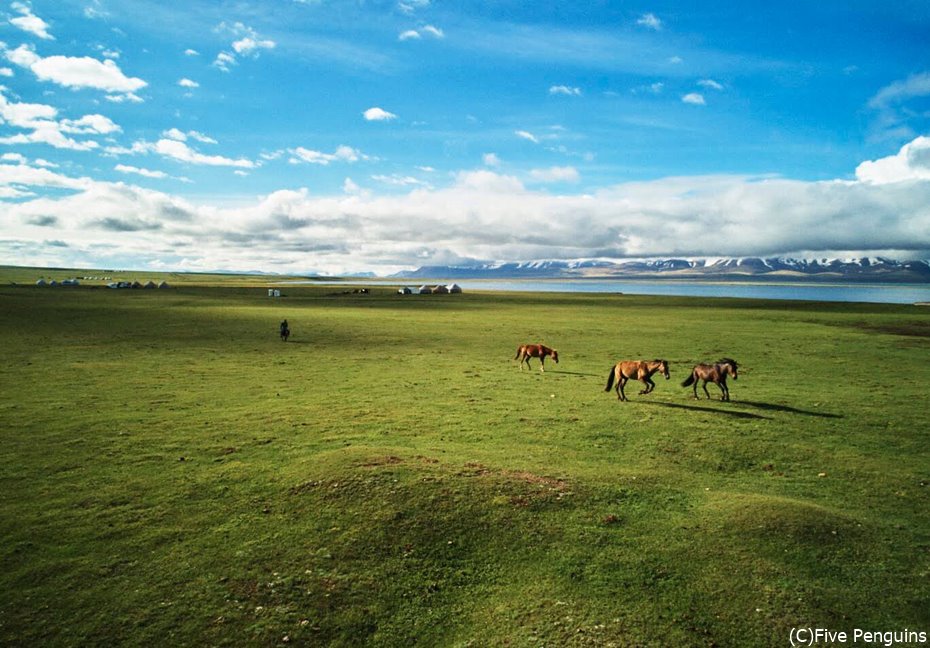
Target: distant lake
pixel 876 293
pixel 840 292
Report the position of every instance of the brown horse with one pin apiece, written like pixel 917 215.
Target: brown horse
pixel 640 370
pixel 715 373
pixel 527 351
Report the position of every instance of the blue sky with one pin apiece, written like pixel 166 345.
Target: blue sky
pixel 331 136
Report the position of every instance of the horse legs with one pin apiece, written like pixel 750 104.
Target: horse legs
pixel 705 390
pixel 620 383
pixel 649 385
pixel 725 391
pixel 542 363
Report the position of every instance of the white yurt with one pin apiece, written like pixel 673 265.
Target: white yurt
pixel 454 288
pixel 425 290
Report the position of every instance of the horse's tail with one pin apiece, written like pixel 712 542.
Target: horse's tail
pixel 610 379
pixel 519 351
pixel 689 381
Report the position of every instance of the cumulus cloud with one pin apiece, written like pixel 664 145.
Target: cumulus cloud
pixel 187 83
pixel 912 162
pixel 694 98
pixel 247 43
pixel 123 168
pixel 180 151
pixel 76 72
pixel 378 114
pixel 341 154
pixel 565 90
pixel 29 22
pixel 44 126
pixel 481 215
pixel 650 20
pixel 491 160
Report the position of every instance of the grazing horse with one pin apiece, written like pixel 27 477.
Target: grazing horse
pixel 527 351
pixel 716 373
pixel 285 331
pixel 640 370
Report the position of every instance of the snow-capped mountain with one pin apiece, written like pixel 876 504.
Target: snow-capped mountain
pixel 853 269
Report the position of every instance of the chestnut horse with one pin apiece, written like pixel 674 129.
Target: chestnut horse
pixel 715 373
pixel 527 351
pixel 640 370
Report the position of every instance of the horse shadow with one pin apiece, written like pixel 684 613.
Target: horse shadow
pixel 574 373
pixel 789 410
pixel 712 410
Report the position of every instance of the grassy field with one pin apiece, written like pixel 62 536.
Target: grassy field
pixel 172 474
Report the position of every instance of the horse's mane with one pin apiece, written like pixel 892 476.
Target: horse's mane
pixel 728 361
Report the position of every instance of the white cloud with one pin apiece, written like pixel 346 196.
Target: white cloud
pixel 6 72
pixel 916 85
pixel 565 90
pixel 187 83
pixel 417 34
pixel 556 174
pixel 480 215
pixel 180 151
pixel 341 154
pixel 694 98
pixel 378 114
pixel 411 6
pixel 897 104
pixel 522 134
pixel 42 121
pixel 224 61
pixel 129 97
pixel 191 52
pixel 29 22
pixel 491 160
pixel 76 72
pixel 249 45
pixel 912 162
pixel 89 124
pixel 181 136
pixel 122 168
pixel 650 20
pixel 710 84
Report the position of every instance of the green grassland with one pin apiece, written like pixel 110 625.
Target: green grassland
pixel 173 474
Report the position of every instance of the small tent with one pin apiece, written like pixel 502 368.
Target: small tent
pixel 440 290
pixel 454 288
pixel 163 284
pixel 149 285
pixel 425 290
pixel 40 282
pixel 405 291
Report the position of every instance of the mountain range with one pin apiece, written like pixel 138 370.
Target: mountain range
pixel 868 269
